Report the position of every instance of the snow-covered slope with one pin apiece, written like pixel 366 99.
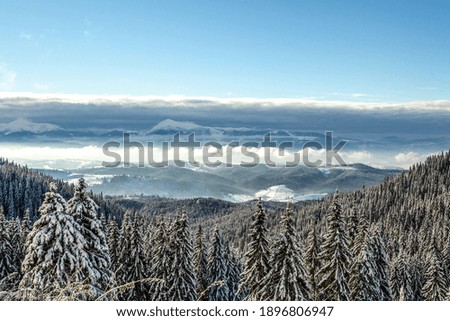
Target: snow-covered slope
pixel 25 125
pixel 277 193
pixel 169 124
pixel 169 127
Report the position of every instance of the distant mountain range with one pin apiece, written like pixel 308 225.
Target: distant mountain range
pixel 23 125
pixel 235 184
pixel 389 150
pixel 24 130
pixel 172 127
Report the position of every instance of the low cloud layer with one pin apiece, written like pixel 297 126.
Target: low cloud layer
pixel 23 99
pixel 82 111
pixel 91 156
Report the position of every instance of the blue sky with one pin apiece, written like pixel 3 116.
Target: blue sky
pixel 326 50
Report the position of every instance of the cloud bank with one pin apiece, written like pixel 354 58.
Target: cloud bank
pixel 24 99
pixel 92 155
pixel 143 112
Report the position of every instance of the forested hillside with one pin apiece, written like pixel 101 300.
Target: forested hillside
pixel 23 189
pixel 387 242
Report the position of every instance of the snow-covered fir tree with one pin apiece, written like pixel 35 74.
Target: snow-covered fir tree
pixel 436 281
pixel 381 264
pixel 417 271
pixel 401 279
pixel 312 262
pixel 84 211
pixel 352 226
pixel 287 277
pixel 161 264
pixel 335 257
pixel 113 244
pixel 359 239
pixel 256 259
pixel 446 246
pixel 364 284
pixel 6 250
pixel 147 230
pixel 200 262
pixel 234 270
pixel 131 268
pixel 182 282
pixel 14 233
pixel 217 270
pixel 25 228
pixel 103 222
pixel 55 256
pixel 369 279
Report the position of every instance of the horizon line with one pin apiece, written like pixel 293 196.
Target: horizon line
pixel 205 101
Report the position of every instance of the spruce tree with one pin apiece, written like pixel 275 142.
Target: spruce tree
pixel 364 283
pixel 200 262
pixel 14 233
pixel 147 238
pixel 84 211
pixel 287 278
pixel 25 228
pixel 359 239
pixel 416 271
pixel 6 250
pixel 234 272
pixel 131 268
pixel 161 265
pixel 435 287
pixel 369 280
pixel 181 281
pixel 446 246
pixel 256 259
pixel 352 226
pixel 114 243
pixel 335 257
pixel 312 262
pixel 217 270
pixel 55 256
pixel 401 279
pixel 382 265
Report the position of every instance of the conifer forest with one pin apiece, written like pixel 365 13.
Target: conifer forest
pixel 391 241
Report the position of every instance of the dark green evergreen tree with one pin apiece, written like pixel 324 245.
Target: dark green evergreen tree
pixel 217 270
pixel 131 268
pixel 6 250
pixel 161 264
pixel 84 211
pixel 435 287
pixel 256 259
pixel 335 257
pixel 200 262
pixel 55 259
pixel 312 262
pixel 182 282
pixel 287 278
